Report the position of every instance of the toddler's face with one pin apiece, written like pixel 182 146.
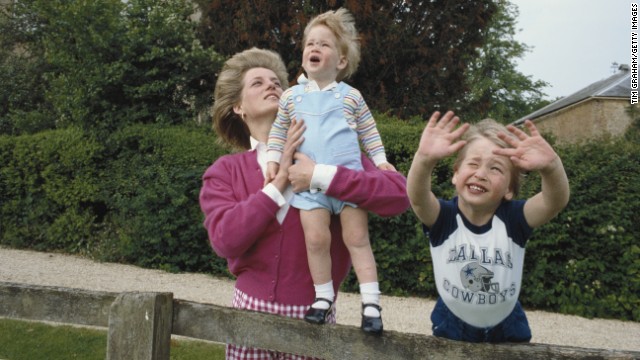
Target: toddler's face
pixel 321 57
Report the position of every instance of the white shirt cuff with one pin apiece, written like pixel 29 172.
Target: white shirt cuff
pixel 275 194
pixel 322 177
pixel 379 159
pixel 273 155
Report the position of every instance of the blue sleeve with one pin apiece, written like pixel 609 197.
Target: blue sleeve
pixel 445 223
pixel 512 214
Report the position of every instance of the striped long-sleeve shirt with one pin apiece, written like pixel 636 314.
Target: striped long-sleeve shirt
pixel 356 112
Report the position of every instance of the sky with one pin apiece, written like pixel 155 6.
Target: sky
pixel 573 42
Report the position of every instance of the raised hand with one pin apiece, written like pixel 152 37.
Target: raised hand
pixel 440 137
pixel 529 152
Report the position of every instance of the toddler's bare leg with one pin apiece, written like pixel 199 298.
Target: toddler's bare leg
pixel 315 224
pixel 355 232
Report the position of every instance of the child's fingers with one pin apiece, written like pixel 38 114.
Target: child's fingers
pixel 509 152
pixel 508 139
pixel 387 166
pixel 513 142
pixel 448 120
pixel 433 119
pixel 517 132
pixel 267 179
pixel 519 164
pixel 436 121
pixel 532 128
pixel 460 130
pixel 452 122
pixel 458 145
pixel 533 131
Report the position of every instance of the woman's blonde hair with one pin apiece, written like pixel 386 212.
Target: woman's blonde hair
pixel 489 129
pixel 229 126
pixel 343 26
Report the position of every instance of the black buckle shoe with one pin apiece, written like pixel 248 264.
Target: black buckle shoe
pixel 318 316
pixel 371 325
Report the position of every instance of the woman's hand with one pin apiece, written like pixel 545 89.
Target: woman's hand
pixel 301 172
pixel 294 139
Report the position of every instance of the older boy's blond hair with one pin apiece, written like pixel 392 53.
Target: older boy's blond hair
pixel 489 129
pixel 343 26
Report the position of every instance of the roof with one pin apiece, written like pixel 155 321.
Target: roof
pixel 615 86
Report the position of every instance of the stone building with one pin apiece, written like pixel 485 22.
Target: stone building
pixel 597 111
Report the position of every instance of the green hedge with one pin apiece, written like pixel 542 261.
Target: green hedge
pixel 150 190
pixel 133 198
pixel 587 260
pixel 46 182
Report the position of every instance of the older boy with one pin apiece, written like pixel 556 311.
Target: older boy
pixel 478 238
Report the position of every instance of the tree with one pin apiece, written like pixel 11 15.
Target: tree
pixel 22 68
pixel 497 89
pixel 414 53
pixel 111 63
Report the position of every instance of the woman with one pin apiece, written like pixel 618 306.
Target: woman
pixel 251 224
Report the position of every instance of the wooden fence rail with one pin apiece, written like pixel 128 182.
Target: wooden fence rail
pixel 140 327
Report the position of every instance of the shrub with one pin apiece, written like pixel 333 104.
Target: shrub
pixel 48 183
pixel 585 261
pixel 151 194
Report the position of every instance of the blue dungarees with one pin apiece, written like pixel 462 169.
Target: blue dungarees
pixel 328 139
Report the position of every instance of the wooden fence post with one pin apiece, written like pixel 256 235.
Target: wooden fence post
pixel 140 326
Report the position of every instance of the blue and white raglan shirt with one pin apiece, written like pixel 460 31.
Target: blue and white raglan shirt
pixel 478 269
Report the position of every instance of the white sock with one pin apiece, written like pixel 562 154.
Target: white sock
pixel 324 291
pixel 370 293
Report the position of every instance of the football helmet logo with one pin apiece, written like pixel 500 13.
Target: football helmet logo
pixel 478 278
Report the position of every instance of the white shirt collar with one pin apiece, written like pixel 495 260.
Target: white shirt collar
pixel 254 142
pixel 312 85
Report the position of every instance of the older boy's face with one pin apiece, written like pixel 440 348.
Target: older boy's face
pixel 482 179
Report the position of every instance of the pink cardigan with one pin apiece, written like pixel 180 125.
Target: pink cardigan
pixel 269 260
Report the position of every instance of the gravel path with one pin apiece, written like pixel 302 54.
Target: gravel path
pixel 400 314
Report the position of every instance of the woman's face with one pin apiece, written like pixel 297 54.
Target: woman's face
pixel 261 92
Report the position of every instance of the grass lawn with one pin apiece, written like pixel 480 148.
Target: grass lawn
pixel 23 340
